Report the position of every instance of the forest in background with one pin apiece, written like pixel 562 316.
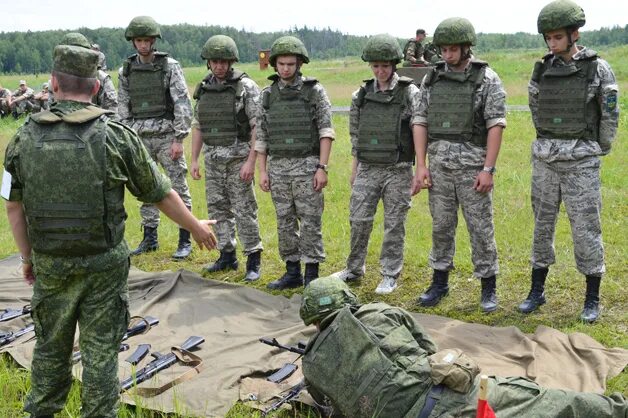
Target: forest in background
pixel 31 52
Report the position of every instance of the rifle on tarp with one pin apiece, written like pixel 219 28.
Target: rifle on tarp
pixel 144 324
pixel 298 349
pixel 9 337
pixel 7 314
pixel 292 394
pixel 161 362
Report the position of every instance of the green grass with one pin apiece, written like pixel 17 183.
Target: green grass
pixel 513 228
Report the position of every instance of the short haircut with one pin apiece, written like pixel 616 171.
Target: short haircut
pixel 72 84
pixel 420 31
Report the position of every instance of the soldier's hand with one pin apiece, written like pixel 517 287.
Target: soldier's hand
pixel 422 180
pixel 264 181
pixel 176 150
pixel 195 170
pixel 247 171
pixel 27 274
pixel 483 182
pixel 320 180
pixel 204 235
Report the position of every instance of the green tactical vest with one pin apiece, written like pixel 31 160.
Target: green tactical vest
pixel 451 116
pixel 292 130
pixel 384 135
pixel 563 110
pixel 220 123
pixel 363 375
pixel 147 87
pixel 68 208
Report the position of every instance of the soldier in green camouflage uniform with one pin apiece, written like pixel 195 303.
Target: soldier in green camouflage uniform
pixel 574 104
pixel 224 127
pixel 22 100
pixel 462 115
pixel 375 360
pixel 153 101
pixel 294 133
pixel 383 154
pixel 66 210
pixel 414 50
pixel 5 101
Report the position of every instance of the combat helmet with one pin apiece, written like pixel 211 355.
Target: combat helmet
pixel 560 14
pixel 324 296
pixel 382 47
pixel 288 45
pixel 142 27
pixel 75 39
pixel 220 47
pixel 455 31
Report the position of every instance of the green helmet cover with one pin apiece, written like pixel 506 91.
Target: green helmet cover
pixel 560 14
pixel 323 297
pixel 220 47
pixel 382 47
pixel 142 27
pixel 75 39
pixel 288 45
pixel 455 31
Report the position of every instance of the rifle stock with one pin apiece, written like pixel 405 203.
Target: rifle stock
pixel 12 336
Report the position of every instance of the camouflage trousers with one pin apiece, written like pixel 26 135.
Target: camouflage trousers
pixel 231 202
pixel 577 184
pixel 450 189
pixel 299 218
pixel 159 150
pixel 98 303
pixel 392 185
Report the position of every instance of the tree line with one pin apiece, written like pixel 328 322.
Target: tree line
pixel 31 52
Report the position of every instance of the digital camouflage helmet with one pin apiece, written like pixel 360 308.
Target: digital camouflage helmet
pixel 220 47
pixel 75 39
pixel 560 14
pixel 142 27
pixel 324 296
pixel 454 31
pixel 382 47
pixel 288 45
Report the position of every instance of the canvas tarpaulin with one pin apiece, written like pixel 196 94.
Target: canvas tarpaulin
pixel 233 317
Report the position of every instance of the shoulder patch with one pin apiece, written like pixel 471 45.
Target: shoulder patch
pixel 611 102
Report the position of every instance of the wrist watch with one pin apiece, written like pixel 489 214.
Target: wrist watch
pixel 489 170
pixel 322 167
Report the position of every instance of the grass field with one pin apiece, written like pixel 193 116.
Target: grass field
pixel 513 227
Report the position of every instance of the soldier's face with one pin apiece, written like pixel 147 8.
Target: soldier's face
pixel 144 46
pixel 220 68
pixel 287 66
pixel 452 54
pixel 382 70
pixel 558 41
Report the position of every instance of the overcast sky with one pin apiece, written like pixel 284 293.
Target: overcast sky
pixel 364 17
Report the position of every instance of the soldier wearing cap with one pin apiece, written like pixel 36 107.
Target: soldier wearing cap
pixel 66 210
pixel 41 98
pixel 22 99
pixel 376 360
pixel 153 101
pixel 224 127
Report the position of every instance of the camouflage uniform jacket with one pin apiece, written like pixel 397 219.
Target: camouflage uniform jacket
pixel 146 128
pixel 107 97
pixel 490 103
pixel 322 115
pixel 604 90
pixel 5 93
pixel 250 102
pixel 128 164
pixel 28 93
pixel 414 49
pixel 410 111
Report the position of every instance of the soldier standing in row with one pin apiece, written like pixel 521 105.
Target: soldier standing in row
pixel 153 101
pixel 462 116
pixel 573 100
pixel 294 136
pixel 383 154
pixel 224 127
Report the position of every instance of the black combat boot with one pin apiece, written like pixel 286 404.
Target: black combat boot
pixel 311 273
pixel 437 290
pixel 292 277
pixel 185 246
pixel 226 261
pixel 489 296
pixel 536 297
pixel 253 262
pixel 149 243
pixel 591 310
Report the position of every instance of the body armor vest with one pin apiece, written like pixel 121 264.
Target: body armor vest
pixel 292 130
pixel 68 208
pixel 451 114
pixel 563 110
pixel 220 124
pixel 384 134
pixel 364 375
pixel 149 96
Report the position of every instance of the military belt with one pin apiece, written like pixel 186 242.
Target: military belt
pixel 432 399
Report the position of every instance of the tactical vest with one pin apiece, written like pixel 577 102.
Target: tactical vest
pixel 384 133
pixel 292 130
pixel 220 123
pixel 563 109
pixel 149 96
pixel 451 115
pixel 68 208
pixel 366 376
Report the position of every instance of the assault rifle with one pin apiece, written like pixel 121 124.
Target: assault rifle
pixel 161 362
pixel 9 337
pixel 9 313
pixel 143 326
pixel 299 349
pixel 293 393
